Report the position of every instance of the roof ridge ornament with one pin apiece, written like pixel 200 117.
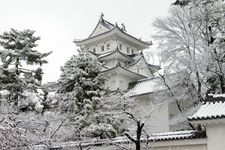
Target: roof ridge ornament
pixel 123 27
pixel 101 16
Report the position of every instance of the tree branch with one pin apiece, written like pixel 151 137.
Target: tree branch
pixel 130 138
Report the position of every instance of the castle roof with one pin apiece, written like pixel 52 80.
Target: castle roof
pixel 152 85
pixel 106 24
pixel 212 108
pixel 124 71
pixel 147 86
pixel 116 54
pixel 139 57
pixel 110 30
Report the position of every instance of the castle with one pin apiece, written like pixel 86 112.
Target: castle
pixel 123 58
pixel 130 72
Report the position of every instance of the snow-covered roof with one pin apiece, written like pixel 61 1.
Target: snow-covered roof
pixel 212 108
pixel 116 54
pixel 123 70
pixel 177 135
pixel 138 57
pixel 112 29
pixel 157 137
pixel 147 86
pixel 155 84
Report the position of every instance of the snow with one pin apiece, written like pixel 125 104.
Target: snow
pixel 165 136
pixel 32 99
pixel 208 110
pixel 4 93
pixel 217 95
pixel 147 86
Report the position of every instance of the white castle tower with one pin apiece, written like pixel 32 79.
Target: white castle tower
pixel 128 70
pixel 121 53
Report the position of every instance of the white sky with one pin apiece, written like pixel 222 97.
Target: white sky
pixel 59 22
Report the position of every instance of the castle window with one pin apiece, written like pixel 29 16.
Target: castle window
pixel 128 50
pixel 94 50
pixel 120 46
pixel 102 48
pixel 108 46
pixel 132 51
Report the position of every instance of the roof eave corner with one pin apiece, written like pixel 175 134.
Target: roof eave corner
pixel 77 41
pixel 145 44
pixel 149 43
pixel 207 121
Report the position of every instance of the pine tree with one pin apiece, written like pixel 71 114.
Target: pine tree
pixel 82 85
pixel 18 52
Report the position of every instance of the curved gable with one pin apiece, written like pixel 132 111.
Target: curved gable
pixel 99 30
pixel 141 67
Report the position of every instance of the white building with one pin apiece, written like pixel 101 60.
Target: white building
pixel 121 53
pixel 128 70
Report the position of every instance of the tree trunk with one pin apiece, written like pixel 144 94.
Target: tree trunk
pixel 199 84
pixel 138 134
pixel 138 145
pixel 222 84
pixel 17 66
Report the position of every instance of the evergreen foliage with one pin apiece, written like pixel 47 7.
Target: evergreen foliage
pixel 82 88
pixel 18 53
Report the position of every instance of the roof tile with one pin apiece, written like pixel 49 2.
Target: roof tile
pixel 211 108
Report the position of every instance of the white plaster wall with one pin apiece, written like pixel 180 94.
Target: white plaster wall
pixel 117 81
pixel 182 147
pixel 196 147
pixel 125 45
pixel 173 109
pixel 215 136
pixel 195 144
pixel 159 118
pixel 114 43
pixel 104 43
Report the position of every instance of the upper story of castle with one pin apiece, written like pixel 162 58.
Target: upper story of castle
pixel 120 52
pixel 107 37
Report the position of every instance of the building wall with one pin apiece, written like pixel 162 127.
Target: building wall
pixel 124 46
pixel 118 81
pixel 195 144
pixel 159 118
pixel 104 43
pixel 215 136
pixel 189 144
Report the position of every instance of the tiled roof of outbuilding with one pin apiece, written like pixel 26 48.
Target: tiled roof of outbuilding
pixel 155 84
pixel 157 137
pixel 177 135
pixel 212 108
pixel 147 86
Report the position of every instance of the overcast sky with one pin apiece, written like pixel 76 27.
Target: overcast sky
pixel 59 22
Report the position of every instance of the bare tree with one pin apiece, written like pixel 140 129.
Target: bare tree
pixel 191 38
